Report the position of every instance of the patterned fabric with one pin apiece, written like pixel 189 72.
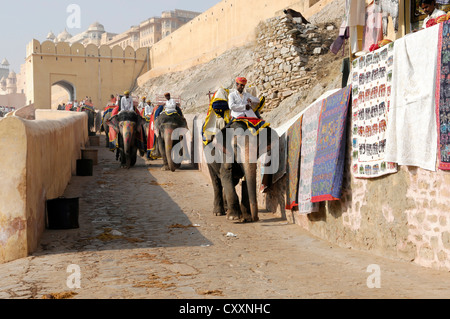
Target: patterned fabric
pixel 329 161
pixel 373 32
pixel 308 152
pixel 371 87
pixel 113 142
pixel 443 96
pixel 218 116
pixel 152 152
pixel 294 144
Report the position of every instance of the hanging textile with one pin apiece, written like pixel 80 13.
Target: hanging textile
pixel 411 134
pixel 373 30
pixel 388 8
pixel 308 152
pixel 443 96
pixel 372 87
pixel 328 170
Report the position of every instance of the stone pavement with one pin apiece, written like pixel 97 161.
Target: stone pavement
pixel 149 234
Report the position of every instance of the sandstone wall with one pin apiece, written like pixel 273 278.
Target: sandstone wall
pixel 229 24
pixel 41 160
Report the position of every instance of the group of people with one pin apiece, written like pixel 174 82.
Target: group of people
pixel 76 106
pixel 5 110
pixel 144 108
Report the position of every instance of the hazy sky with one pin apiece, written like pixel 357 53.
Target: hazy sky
pixel 24 20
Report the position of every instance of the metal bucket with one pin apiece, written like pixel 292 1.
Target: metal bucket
pixel 85 167
pixel 62 213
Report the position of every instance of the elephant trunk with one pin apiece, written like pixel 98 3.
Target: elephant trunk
pixel 128 132
pixel 168 143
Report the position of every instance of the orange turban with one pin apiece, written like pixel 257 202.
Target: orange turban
pixel 241 80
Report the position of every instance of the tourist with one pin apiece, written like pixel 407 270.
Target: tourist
pixel 241 102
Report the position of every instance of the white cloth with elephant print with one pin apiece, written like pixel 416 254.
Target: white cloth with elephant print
pixel 372 89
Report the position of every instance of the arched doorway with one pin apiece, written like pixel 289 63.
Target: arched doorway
pixel 62 92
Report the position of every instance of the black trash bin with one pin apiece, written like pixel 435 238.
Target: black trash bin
pixel 62 213
pixel 85 167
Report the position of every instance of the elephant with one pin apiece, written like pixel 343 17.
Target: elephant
pixel 129 128
pixel 91 118
pixel 107 114
pixel 226 174
pixel 166 124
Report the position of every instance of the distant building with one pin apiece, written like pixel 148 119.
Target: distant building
pixel 151 30
pixel 145 34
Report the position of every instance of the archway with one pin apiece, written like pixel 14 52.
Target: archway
pixel 62 92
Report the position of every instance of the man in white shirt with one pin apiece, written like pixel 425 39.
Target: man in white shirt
pixel 142 104
pixel 171 105
pixel 148 108
pixel 429 7
pixel 126 102
pixel 240 102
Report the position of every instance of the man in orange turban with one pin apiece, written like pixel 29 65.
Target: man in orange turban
pixel 241 80
pixel 240 102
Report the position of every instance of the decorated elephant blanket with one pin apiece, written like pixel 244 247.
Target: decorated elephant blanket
pixel 328 169
pixel 151 138
pixel 113 142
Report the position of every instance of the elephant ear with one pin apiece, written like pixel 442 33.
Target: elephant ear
pixel 113 122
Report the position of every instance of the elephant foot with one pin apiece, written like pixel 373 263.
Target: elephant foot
pixel 219 213
pixel 232 217
pixel 165 168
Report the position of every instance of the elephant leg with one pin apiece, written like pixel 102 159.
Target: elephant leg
pixel 234 211
pixel 250 178
pixel 245 203
pixel 219 206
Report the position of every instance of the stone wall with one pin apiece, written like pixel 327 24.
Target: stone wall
pixel 41 160
pixel 286 51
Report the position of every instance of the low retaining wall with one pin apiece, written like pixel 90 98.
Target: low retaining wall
pixel 39 159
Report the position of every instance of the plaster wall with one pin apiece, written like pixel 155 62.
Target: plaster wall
pixel 43 154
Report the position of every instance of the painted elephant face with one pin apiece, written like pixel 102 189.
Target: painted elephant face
pixel 127 124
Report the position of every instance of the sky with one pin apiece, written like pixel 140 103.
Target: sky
pixel 24 20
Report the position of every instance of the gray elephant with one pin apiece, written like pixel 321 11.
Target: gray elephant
pixel 166 125
pixel 130 136
pixel 237 164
